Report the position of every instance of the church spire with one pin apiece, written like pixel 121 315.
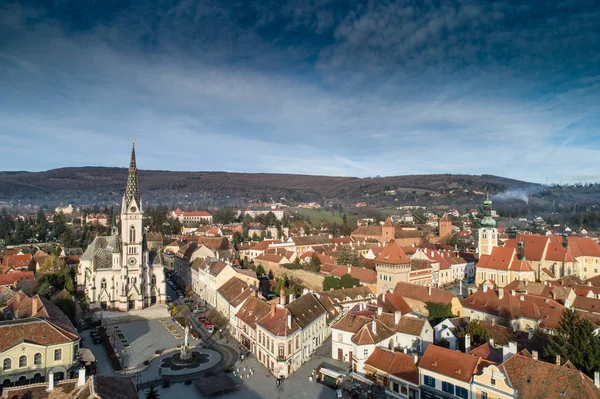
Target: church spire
pixel 131 192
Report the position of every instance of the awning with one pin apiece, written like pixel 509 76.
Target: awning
pixel 85 355
pixel 330 373
pixel 376 371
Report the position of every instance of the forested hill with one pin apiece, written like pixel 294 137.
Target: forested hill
pixel 97 185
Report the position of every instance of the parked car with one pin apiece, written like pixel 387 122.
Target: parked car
pixel 210 329
pixel 169 299
pixel 202 319
pixel 96 340
pixel 95 333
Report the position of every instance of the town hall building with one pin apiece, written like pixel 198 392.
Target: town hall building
pixel 118 272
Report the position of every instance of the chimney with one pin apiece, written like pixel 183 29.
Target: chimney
pixel 379 310
pixel 397 316
pixel 405 350
pixel 242 290
pixel 500 293
pixel 81 377
pixel 373 327
pixel 509 350
pixel 272 309
pixel 349 269
pixel 493 321
pixel 51 381
pixel 522 297
pixel 429 290
pixel 597 379
pixel 281 297
pixel 589 283
pixel 484 288
pixel 558 360
pixel 34 306
pixel 383 297
pixel 291 298
pixel 492 341
pixel 289 320
pixel 467 343
pixel 512 292
pixel 416 357
pixel 534 355
pixel 567 303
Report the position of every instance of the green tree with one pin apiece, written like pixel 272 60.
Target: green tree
pixel 438 312
pixel 237 238
pixel 574 339
pixel 152 393
pixel 260 270
pixel 315 264
pixel 348 281
pixel 479 334
pixel 271 276
pixel 330 282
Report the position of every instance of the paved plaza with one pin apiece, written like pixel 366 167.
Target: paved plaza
pixel 261 384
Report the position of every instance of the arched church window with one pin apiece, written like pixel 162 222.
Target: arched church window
pixel 132 234
pixel 153 279
pixel 103 283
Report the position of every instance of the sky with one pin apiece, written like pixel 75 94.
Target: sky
pixel 349 88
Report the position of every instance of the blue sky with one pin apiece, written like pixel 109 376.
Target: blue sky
pixel 318 87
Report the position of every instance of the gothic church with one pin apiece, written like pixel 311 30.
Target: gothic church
pixel 117 272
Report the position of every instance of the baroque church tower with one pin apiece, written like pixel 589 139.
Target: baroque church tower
pixel 488 234
pixel 118 272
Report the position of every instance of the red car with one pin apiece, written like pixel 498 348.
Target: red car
pixel 207 324
pixel 202 319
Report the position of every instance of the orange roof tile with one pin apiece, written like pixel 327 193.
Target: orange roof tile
pixel 392 254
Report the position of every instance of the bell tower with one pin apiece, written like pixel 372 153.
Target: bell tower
pixel 131 219
pixel 488 234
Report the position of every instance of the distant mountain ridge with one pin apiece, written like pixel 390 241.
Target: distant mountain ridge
pixel 104 185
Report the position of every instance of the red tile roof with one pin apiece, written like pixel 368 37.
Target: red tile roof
pixel 17 260
pixel 537 379
pixel 363 275
pixel 392 254
pixel 277 322
pixel 252 310
pixel 451 363
pixel 12 277
pixel 421 293
pixel 34 330
pixel 396 364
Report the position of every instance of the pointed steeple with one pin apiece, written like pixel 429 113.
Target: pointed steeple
pixel 131 192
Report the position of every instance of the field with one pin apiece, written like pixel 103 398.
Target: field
pixel 318 215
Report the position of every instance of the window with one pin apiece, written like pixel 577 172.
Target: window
pixel 281 351
pixel 366 353
pixel 37 359
pixel 447 387
pixel 484 395
pixel 585 269
pixel 290 347
pixel 297 341
pixel 429 381
pixel 462 393
pixel 340 337
pixel 493 381
pixel 6 364
pixel 103 284
pixel 132 234
pixel 404 389
pixel 153 279
pixel 23 361
pixel 57 354
pixel 595 270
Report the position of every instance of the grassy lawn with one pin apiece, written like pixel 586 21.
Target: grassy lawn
pixel 319 215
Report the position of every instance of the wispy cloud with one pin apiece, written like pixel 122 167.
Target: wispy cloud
pixel 381 88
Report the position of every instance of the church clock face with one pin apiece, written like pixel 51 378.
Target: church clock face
pixel 133 209
pixel 132 261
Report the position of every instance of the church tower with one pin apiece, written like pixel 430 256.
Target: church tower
pixel 445 226
pixel 131 219
pixel 488 234
pixel 388 231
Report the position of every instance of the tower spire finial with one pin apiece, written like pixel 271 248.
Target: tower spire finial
pixel 131 192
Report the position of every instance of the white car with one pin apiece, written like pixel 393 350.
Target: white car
pixel 169 299
pixel 210 329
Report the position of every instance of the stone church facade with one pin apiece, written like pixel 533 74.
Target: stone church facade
pixel 118 272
